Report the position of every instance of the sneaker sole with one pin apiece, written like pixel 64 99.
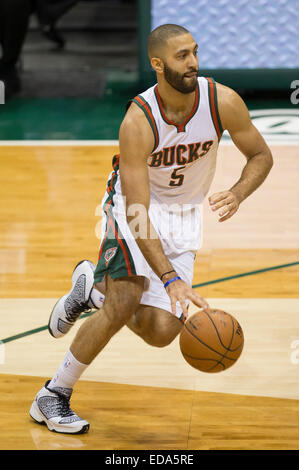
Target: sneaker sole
pixel 39 418
pixel 80 262
pixel 50 318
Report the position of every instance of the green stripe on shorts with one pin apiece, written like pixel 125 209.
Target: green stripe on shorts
pixel 115 258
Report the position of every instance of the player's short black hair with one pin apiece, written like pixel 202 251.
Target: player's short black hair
pixel 159 36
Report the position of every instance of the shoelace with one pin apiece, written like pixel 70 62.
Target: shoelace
pixel 62 407
pixel 78 308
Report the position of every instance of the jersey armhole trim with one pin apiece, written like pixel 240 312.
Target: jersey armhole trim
pixel 214 107
pixel 143 104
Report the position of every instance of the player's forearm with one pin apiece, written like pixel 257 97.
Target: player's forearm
pixel 253 175
pixel 153 252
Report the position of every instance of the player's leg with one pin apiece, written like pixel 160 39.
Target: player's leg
pixel 154 320
pixel 119 255
pixel 155 326
pixel 52 402
pixel 121 300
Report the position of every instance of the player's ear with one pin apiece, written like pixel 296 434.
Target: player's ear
pixel 157 64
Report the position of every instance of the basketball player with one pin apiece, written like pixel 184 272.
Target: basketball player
pixel 168 144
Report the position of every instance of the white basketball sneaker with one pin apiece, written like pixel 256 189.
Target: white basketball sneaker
pixel 52 407
pixel 69 307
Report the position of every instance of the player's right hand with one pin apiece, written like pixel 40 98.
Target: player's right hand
pixel 179 291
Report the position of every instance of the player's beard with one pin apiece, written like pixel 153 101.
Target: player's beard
pixel 179 81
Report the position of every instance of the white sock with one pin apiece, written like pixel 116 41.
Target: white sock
pixel 68 372
pixel 96 299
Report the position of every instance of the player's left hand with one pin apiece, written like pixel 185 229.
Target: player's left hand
pixel 227 201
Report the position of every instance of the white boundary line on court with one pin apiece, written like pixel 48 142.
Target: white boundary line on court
pixel 268 141
pixel 106 143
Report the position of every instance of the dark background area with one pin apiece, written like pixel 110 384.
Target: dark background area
pixel 100 38
pixel 80 90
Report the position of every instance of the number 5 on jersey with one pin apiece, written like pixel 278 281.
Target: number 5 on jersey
pixel 177 180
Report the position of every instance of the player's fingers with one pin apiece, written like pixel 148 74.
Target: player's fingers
pixel 225 210
pixel 198 300
pixel 228 200
pixel 173 305
pixel 225 202
pixel 217 197
pixel 228 215
pixel 183 318
pixel 182 301
pixel 225 197
pixel 218 205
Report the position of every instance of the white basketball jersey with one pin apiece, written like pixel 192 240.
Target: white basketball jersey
pixel 183 162
pixel 181 166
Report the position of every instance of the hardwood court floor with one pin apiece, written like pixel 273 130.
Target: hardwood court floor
pixel 132 417
pixel 49 220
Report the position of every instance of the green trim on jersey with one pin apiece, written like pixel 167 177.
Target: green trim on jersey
pixel 179 127
pixel 144 105
pixel 213 100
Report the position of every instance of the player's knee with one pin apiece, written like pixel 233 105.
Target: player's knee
pixel 122 299
pixel 119 313
pixel 160 338
pixel 156 327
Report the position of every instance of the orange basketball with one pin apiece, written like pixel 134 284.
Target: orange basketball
pixel 211 340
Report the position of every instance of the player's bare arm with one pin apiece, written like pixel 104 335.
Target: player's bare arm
pixel 235 118
pixel 136 142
